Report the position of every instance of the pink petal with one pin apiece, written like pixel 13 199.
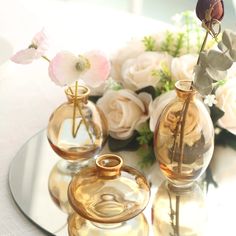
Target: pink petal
pixel 25 56
pixel 62 68
pixel 41 41
pixel 99 69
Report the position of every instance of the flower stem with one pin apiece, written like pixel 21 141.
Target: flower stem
pixel 47 59
pixel 74 111
pixel 203 46
pixel 77 105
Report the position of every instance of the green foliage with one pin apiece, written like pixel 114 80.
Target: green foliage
pixel 179 44
pixel 147 154
pixel 112 84
pixel 145 134
pixel 166 83
pixel 167 45
pixel 149 43
pixel 145 151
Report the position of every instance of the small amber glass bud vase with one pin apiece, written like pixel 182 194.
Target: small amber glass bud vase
pixel 77 129
pixel 110 192
pixel 184 137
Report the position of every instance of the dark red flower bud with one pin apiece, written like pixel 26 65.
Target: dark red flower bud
pixel 209 11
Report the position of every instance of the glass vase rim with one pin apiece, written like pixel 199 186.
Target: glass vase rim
pixel 185 86
pixel 109 165
pixel 80 96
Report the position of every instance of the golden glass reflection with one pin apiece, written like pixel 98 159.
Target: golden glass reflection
pixel 179 212
pixel 184 137
pixel 78 226
pixel 77 129
pixel 109 192
pixel 59 180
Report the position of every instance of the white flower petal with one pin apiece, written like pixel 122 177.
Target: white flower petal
pixel 25 56
pixel 99 69
pixel 62 68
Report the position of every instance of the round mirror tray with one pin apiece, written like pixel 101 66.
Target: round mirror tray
pixel 28 179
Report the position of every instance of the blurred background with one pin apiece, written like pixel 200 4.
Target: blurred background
pixel 162 10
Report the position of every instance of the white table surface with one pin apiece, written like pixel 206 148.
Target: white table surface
pixel 28 97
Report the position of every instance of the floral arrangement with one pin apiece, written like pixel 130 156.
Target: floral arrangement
pixel 143 75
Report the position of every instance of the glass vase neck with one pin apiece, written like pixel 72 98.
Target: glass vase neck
pixel 82 93
pixel 184 89
pixel 109 166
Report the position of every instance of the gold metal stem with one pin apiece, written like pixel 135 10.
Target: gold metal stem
pixel 177 216
pixel 203 46
pixel 76 104
pixel 181 145
pixel 74 111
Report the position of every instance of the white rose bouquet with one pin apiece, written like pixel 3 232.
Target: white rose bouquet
pixel 142 80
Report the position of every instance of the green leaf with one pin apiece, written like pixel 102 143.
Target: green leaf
pixel 130 144
pixel 146 152
pixel 216 74
pixel 225 138
pixel 149 43
pixel 216 113
pixel 219 60
pixel 149 89
pixel 202 81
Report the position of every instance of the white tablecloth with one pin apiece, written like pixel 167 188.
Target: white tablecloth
pixel 27 96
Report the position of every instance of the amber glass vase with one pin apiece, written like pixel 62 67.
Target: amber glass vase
pixel 77 130
pixel 108 195
pixel 184 137
pixel 179 212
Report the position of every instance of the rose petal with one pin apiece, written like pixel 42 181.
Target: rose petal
pixel 99 69
pixel 25 56
pixel 62 68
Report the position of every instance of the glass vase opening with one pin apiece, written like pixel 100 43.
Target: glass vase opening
pixel 77 129
pixel 184 137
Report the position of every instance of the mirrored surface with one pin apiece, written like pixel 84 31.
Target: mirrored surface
pixel 29 178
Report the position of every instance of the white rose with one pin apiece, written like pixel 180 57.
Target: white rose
pixel 226 101
pixel 157 106
pixel 137 72
pixel 125 111
pixel 132 49
pixel 182 67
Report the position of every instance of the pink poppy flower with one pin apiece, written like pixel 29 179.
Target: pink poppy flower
pixel 93 68
pixel 36 50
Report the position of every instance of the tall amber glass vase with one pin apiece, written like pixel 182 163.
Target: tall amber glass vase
pixel 77 131
pixel 184 137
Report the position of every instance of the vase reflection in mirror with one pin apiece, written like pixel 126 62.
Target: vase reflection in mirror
pixel 184 137
pixel 179 212
pixel 109 199
pixel 77 131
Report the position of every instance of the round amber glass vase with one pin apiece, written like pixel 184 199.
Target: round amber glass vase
pixel 77 130
pixel 110 192
pixel 184 137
